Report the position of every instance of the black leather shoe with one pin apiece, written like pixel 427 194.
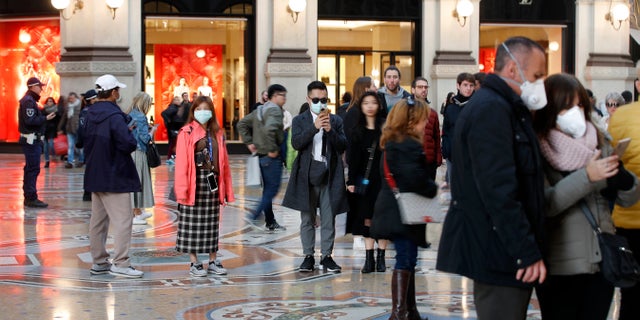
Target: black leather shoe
pixel 35 203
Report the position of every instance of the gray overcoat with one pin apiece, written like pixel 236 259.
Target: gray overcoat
pixel 302 132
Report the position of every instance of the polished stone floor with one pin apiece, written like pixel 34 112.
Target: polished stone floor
pixel 45 261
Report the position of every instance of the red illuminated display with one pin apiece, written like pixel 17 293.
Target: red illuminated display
pixel 28 48
pixel 192 62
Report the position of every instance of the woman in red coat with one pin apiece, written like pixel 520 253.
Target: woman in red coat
pixel 202 185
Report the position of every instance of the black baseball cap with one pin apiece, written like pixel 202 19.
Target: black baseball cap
pixel 33 81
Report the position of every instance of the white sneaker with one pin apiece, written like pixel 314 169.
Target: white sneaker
pixel 216 267
pixel 138 221
pixel 197 270
pixel 128 272
pixel 144 215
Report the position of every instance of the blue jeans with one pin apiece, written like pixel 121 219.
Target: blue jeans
pixel 71 139
pixel 271 170
pixel 406 254
pixel 48 149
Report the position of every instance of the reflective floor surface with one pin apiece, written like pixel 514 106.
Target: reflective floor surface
pixel 45 261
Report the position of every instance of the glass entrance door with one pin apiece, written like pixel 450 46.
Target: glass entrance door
pixel 339 72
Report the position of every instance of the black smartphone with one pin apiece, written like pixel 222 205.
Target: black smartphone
pixel 211 180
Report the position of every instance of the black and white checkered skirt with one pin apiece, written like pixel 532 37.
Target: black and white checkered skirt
pixel 198 225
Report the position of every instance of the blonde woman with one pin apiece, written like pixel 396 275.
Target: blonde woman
pixel 140 129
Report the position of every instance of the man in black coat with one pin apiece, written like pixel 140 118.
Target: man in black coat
pixel 493 230
pixel 317 176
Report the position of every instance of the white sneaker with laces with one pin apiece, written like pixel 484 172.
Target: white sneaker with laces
pixel 129 272
pixel 197 270
pixel 138 221
pixel 144 215
pixel 216 267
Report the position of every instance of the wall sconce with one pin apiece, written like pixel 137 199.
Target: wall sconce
pixel 296 6
pixel 113 6
pixel 464 9
pixel 63 4
pixel 618 14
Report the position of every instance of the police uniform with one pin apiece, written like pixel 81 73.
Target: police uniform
pixel 31 124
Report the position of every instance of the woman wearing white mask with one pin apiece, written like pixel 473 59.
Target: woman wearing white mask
pixel 202 185
pixel 579 169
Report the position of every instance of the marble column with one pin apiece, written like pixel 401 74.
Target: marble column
pixel 603 63
pixel 292 56
pixel 448 48
pixel 95 43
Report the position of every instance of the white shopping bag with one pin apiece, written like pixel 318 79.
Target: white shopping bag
pixel 254 178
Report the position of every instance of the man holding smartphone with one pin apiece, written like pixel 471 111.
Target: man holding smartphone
pixel 317 176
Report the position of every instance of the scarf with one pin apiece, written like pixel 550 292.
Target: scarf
pixel 564 153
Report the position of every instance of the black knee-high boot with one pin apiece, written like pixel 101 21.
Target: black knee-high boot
pixel 369 262
pixel 412 309
pixel 380 264
pixel 399 288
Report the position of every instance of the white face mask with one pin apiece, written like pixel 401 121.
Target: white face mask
pixel 572 122
pixel 202 116
pixel 532 93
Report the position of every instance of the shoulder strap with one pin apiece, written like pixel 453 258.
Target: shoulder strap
pixel 589 215
pixel 387 174
pixel 372 151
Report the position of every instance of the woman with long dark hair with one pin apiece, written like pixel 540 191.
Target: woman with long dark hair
pixel 582 175
pixel 363 154
pixel 202 185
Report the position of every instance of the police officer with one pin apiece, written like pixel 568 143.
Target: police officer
pixel 31 124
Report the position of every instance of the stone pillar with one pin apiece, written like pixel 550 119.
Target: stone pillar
pixel 93 43
pixel 293 52
pixel 448 48
pixel 603 63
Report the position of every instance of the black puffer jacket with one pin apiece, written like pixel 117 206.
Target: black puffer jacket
pixel 408 165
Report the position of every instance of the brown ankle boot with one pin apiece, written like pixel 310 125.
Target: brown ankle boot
pixel 412 309
pixel 399 288
pixel 369 262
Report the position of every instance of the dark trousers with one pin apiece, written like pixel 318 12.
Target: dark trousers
pixel 271 170
pixel 500 303
pixel 406 254
pixel 31 167
pixel 575 297
pixel 630 301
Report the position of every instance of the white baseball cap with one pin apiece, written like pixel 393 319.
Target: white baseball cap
pixel 108 82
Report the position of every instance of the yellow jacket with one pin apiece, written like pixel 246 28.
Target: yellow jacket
pixel 625 123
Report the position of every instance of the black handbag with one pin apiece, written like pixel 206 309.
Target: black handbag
pixel 361 188
pixel 618 265
pixel 153 156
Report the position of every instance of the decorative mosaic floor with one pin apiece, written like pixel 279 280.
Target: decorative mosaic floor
pixel 45 261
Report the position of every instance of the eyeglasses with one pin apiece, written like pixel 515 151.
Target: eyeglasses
pixel 423 87
pixel 316 100
pixel 611 105
pixel 281 94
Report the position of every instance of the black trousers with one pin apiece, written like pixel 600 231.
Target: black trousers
pixel 500 303
pixel 630 302
pixel 575 297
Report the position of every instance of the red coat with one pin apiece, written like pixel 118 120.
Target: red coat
pixel 431 139
pixel 185 169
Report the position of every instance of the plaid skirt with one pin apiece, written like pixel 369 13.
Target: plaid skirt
pixel 198 225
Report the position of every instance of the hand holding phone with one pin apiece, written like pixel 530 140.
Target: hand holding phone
pixel 621 147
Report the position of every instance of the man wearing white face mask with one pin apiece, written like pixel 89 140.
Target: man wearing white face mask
pixel 493 230
pixel 317 176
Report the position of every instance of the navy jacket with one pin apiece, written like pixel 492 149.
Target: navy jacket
pixel 494 225
pixel 30 117
pixel 108 144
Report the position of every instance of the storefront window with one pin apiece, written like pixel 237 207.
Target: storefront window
pixel 550 37
pixel 349 49
pixel 28 48
pixel 207 54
